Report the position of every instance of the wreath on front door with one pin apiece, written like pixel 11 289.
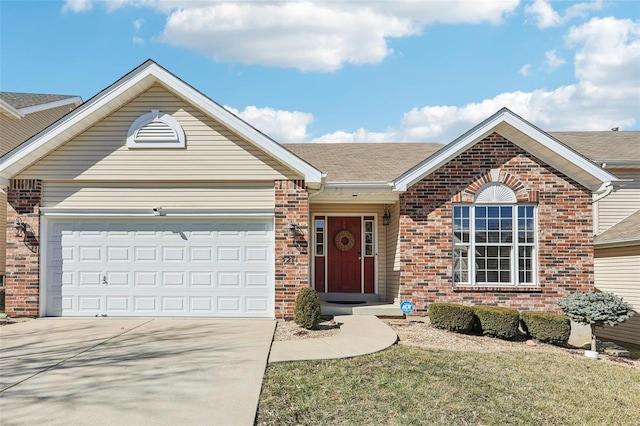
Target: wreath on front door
pixel 344 240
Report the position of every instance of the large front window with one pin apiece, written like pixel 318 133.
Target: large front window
pixel 494 244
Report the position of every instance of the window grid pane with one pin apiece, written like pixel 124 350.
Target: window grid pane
pixel 368 238
pixel 486 241
pixel 319 233
pixel 461 238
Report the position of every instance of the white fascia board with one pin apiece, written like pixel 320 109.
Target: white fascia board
pixel 39 142
pixel 617 243
pixel 476 134
pixel 310 173
pixel 559 148
pixel 75 100
pixel 152 70
pixel 446 154
pixel 9 110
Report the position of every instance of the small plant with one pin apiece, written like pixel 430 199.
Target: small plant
pixel 546 327
pixel 595 309
pixel 497 321
pixel 307 311
pixel 451 316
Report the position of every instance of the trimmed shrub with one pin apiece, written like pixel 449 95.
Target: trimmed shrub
pixel 497 321
pixel 307 312
pixel 546 327
pixel 451 316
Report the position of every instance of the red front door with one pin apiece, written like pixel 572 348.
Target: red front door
pixel 345 253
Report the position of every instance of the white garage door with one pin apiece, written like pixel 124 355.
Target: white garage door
pixel 159 267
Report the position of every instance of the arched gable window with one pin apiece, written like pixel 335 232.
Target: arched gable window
pixel 155 129
pixel 494 240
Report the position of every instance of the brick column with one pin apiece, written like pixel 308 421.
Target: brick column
pixel 23 263
pixel 291 252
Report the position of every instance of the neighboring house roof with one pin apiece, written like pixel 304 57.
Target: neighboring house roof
pixel 364 162
pixel 624 232
pixel 612 147
pixel 23 100
pixel 126 89
pixel 526 136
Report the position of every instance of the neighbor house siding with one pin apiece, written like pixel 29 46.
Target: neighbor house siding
pixel 564 216
pixel 617 271
pixel 212 151
pixel 16 131
pixel 362 209
pixel 621 203
pixel 210 195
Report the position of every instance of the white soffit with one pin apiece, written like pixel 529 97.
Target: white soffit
pixel 121 92
pixel 527 137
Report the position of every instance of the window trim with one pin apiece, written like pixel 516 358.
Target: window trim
pixel 514 267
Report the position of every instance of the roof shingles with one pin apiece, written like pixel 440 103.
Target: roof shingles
pixel 24 100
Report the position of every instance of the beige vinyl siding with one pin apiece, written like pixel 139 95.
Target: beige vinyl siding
pixel 15 131
pixel 3 233
pixel 617 270
pixel 212 152
pixel 365 210
pixel 621 203
pixel 212 196
pixel 393 255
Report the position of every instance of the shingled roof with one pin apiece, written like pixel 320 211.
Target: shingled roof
pixel 627 230
pixel 603 146
pixel 24 100
pixel 363 162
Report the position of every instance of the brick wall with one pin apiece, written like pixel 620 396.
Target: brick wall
pixel 291 252
pixel 23 267
pixel 565 242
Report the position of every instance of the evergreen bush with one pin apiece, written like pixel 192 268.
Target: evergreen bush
pixel 451 316
pixel 595 309
pixel 307 311
pixel 497 321
pixel 546 327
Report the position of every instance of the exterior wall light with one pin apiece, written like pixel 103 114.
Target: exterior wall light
pixel 386 217
pixel 20 227
pixel 293 229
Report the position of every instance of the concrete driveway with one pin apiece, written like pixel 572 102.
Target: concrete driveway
pixel 132 371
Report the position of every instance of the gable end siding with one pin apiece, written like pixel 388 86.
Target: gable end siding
pixel 212 151
pixel 565 241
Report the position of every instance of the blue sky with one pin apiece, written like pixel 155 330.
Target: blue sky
pixel 346 71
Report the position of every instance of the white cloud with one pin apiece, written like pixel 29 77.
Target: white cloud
pixel 138 40
pixel 545 16
pixel 525 70
pixel 308 35
pixel 77 5
pixel 281 126
pixel 137 24
pixel 552 60
pixel 605 95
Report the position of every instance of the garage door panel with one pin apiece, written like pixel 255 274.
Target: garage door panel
pixel 156 267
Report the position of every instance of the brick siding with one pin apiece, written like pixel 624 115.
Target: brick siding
pixel 23 267
pixel 565 239
pixel 291 252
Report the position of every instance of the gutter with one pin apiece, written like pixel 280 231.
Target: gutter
pixel 617 243
pixel 603 191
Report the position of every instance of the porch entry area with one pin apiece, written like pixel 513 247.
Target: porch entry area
pixel 345 252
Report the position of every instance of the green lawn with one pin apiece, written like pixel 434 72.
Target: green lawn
pixel 412 386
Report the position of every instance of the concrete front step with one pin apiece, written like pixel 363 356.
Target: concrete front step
pixel 379 309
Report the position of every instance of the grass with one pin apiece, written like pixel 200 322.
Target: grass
pixel 412 386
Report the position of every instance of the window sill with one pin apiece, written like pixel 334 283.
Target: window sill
pixel 496 289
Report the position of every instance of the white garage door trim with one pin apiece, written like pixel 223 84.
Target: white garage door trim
pixel 250 238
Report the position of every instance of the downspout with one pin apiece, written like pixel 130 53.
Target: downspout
pixel 608 189
pixel 319 191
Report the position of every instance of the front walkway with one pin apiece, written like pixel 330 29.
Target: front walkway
pixel 359 335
